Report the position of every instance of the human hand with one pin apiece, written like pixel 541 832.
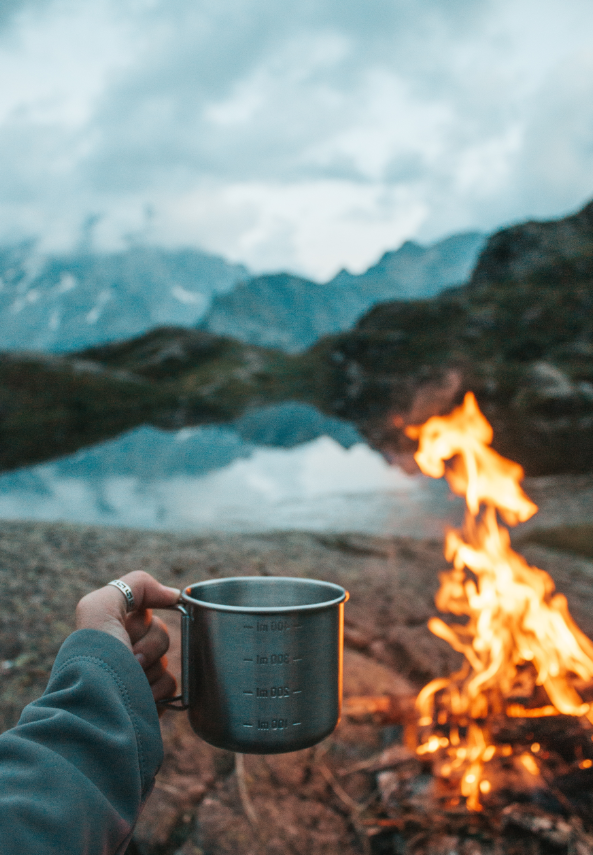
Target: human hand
pixel 142 633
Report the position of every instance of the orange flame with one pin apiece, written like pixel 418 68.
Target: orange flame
pixel 513 616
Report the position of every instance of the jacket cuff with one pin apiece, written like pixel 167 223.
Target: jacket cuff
pixel 132 686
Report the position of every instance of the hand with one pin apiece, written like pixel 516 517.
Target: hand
pixel 146 636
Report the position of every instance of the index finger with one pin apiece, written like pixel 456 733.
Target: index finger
pixel 148 593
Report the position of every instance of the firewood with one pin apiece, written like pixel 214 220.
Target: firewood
pixel 552 829
pixel 547 730
pixel 391 757
pixel 380 709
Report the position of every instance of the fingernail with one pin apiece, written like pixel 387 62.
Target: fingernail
pixel 141 658
pixel 175 591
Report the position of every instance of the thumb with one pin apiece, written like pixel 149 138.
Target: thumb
pixel 106 608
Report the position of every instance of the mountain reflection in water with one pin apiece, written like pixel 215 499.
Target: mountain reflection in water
pixel 317 475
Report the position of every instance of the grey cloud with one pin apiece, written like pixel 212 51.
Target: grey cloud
pixel 34 155
pixel 409 166
pixel 557 152
pixel 300 73
pixel 153 124
pixel 9 9
pixel 151 128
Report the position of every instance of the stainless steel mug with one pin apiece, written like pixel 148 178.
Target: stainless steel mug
pixel 261 661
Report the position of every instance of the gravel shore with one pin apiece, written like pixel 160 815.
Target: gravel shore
pixel 196 807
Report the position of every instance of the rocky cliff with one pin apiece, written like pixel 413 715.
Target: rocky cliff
pixel 557 249
pixel 520 334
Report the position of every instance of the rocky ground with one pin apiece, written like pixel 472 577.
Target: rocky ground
pixel 207 801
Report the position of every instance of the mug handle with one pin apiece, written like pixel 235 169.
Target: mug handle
pixel 181 702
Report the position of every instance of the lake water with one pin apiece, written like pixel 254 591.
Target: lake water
pixel 212 479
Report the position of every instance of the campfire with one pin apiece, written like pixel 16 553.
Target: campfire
pixel 507 738
pixel 524 656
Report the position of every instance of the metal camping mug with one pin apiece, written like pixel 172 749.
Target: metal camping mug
pixel 261 662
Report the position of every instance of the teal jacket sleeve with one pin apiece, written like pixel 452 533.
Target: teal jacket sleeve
pixel 78 767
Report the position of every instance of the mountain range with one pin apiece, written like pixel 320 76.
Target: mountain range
pixel 291 313
pixel 70 302
pixel 519 334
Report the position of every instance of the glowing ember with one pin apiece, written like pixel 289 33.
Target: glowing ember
pixel 516 629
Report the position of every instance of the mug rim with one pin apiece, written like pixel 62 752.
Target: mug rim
pixel 343 595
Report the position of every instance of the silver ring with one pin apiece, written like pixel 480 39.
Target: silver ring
pixel 126 591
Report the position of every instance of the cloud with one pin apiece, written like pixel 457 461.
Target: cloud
pixel 10 9
pixel 557 151
pixel 311 135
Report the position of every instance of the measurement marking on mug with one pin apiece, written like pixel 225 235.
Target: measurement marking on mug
pixel 275 724
pixel 274 659
pixel 247 692
pixel 274 692
pixel 272 626
pixel 246 724
pixel 296 723
pixel 297 691
pixel 246 626
pixel 297 660
pixel 247 660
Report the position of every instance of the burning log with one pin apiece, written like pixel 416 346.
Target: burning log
pixel 516 634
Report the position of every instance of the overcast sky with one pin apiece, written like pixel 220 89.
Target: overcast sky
pixel 308 135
